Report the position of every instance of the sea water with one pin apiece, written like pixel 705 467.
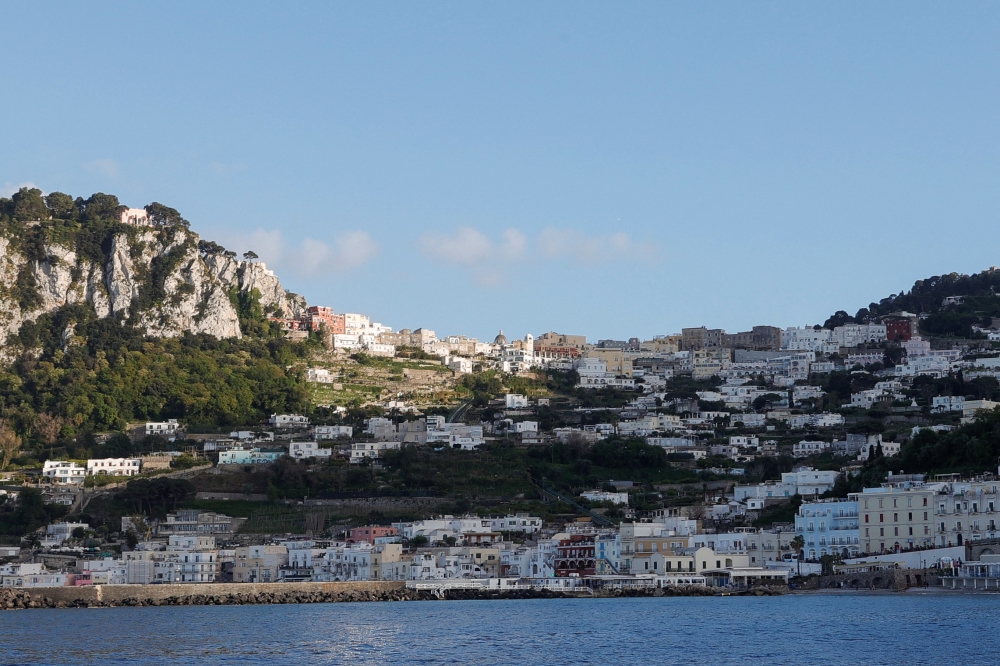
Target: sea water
pixel 856 628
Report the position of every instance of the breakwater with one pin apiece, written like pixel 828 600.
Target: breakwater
pixel 224 594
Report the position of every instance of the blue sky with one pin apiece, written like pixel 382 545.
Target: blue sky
pixel 612 169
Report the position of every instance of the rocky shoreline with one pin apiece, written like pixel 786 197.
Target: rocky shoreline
pixel 11 599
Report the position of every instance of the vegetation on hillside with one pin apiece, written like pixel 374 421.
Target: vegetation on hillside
pixel 980 304
pixel 74 373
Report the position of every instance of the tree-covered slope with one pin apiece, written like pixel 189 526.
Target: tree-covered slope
pixel 979 305
pixel 104 323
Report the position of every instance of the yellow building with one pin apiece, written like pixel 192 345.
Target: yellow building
pixel 618 361
pixel 663 344
pixel 660 555
pixel 388 553
pixel 706 363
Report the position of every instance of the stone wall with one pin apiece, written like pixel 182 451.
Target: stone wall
pixel 116 594
pixel 888 579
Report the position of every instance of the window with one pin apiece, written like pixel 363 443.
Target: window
pixel 909 516
pixel 925 501
pixel 866 517
pixel 925 515
pixel 895 517
pixel 881 517
pixel 881 531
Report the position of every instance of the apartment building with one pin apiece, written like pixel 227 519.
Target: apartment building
pixel 829 527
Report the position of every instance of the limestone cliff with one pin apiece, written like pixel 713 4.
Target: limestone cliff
pixel 158 278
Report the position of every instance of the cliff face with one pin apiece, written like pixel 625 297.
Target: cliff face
pixel 152 277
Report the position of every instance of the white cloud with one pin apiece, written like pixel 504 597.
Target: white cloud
pixel 488 259
pixel 350 250
pixel 309 259
pixel 9 189
pixel 105 167
pixel 574 245
pixel 475 250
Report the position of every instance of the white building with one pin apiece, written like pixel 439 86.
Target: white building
pixel 379 349
pixel 64 472
pixel 809 448
pixel 113 466
pixel 603 496
pixel 319 376
pixel 462 366
pixel 515 401
pixel 361 451
pixel 302 450
pixel 853 335
pixel 822 420
pixel 748 420
pixel 810 481
pixel 889 450
pixel 948 403
pixel 163 429
pixel 333 432
pixel 289 421
pixel 808 339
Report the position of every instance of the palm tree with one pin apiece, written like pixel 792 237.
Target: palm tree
pixel 798 543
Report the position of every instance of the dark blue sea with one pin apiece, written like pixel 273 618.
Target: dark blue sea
pixel 913 628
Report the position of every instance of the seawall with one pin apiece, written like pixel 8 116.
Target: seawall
pixel 202 593
pixel 211 594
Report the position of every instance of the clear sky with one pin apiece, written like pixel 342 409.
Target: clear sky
pixel 611 169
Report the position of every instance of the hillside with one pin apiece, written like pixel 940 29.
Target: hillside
pixel 980 303
pixel 163 279
pixel 104 323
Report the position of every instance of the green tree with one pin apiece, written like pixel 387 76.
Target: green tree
pixel 29 205
pixel 164 215
pixel 61 206
pixel 798 543
pixel 10 444
pixel 101 206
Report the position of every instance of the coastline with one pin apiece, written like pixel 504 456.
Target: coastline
pixel 223 594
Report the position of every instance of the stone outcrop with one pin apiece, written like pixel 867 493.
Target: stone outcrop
pixel 154 277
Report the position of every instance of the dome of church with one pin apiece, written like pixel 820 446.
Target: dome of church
pixel 501 339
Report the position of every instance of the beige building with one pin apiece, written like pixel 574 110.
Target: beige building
pixel 618 361
pixel 905 516
pixel 706 363
pixel 552 340
pixel 970 407
pixel 659 554
pixel 662 344
pixel 259 564
pixel 386 559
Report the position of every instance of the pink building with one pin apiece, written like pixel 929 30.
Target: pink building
pixel 371 532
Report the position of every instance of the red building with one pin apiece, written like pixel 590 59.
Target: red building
pixel 371 532
pixel 575 556
pixel 898 329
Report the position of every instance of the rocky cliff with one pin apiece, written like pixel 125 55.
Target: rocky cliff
pixel 159 278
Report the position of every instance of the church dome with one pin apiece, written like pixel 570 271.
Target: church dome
pixel 501 339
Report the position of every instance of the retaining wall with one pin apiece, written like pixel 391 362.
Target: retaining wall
pixel 117 593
